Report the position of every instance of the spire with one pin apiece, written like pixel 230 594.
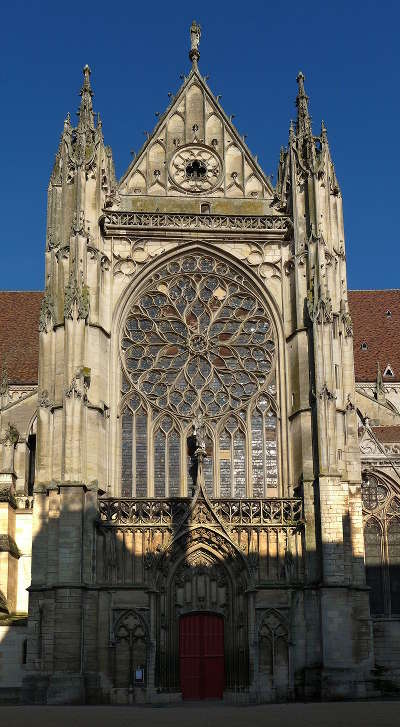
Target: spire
pixel 195 34
pixel 303 126
pixel 85 113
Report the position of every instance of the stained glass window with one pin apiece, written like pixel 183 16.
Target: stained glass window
pixel 198 339
pixel 134 449
pixel 382 544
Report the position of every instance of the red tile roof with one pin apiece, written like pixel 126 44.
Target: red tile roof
pixel 19 335
pixel 19 339
pixel 386 435
pixel 379 331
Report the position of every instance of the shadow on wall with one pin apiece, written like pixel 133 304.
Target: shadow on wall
pixel 114 579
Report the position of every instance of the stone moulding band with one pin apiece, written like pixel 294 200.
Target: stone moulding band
pixel 113 221
pixel 155 512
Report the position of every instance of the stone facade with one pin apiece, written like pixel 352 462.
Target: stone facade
pixel 200 438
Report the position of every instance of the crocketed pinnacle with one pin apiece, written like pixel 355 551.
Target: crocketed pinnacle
pixel 86 115
pixel 379 380
pixel 303 125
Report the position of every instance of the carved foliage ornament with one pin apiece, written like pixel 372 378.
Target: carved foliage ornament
pixel 319 306
pixel 11 436
pixel 47 314
pixel 79 385
pixel 346 319
pixel 76 297
pixel 44 399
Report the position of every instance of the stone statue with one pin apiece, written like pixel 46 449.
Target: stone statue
pixel 195 34
pixel 197 450
pixel 199 431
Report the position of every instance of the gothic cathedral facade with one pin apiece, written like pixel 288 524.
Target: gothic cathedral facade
pixel 212 510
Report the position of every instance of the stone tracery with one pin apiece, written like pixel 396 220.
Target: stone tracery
pixel 198 339
pixel 381 503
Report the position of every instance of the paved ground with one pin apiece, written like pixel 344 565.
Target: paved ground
pixel 349 714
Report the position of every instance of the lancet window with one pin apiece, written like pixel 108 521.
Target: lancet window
pixel 381 505
pixel 198 339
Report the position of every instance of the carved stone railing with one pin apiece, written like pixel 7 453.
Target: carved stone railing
pixel 273 511
pixel 119 220
pixel 169 513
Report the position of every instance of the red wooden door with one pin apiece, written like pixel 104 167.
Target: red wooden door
pixel 201 651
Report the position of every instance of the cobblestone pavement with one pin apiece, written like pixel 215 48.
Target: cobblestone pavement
pixel 349 714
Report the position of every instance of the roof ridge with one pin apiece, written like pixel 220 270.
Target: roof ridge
pixel 373 290
pixel 21 291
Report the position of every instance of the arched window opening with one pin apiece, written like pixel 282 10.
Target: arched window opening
pixel 167 459
pixel 134 449
pixel 381 503
pixel 232 459
pixel 394 565
pixel 264 446
pixel 198 340
pixel 373 566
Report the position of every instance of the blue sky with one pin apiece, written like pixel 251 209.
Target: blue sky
pixel 348 51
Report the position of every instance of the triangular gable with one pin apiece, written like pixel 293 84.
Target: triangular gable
pixel 195 150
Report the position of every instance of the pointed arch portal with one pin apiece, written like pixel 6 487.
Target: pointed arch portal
pixel 202 575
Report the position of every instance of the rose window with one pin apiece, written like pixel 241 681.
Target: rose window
pixel 195 168
pixel 198 339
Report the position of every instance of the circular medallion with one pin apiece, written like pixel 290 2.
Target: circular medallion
pixel 195 168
